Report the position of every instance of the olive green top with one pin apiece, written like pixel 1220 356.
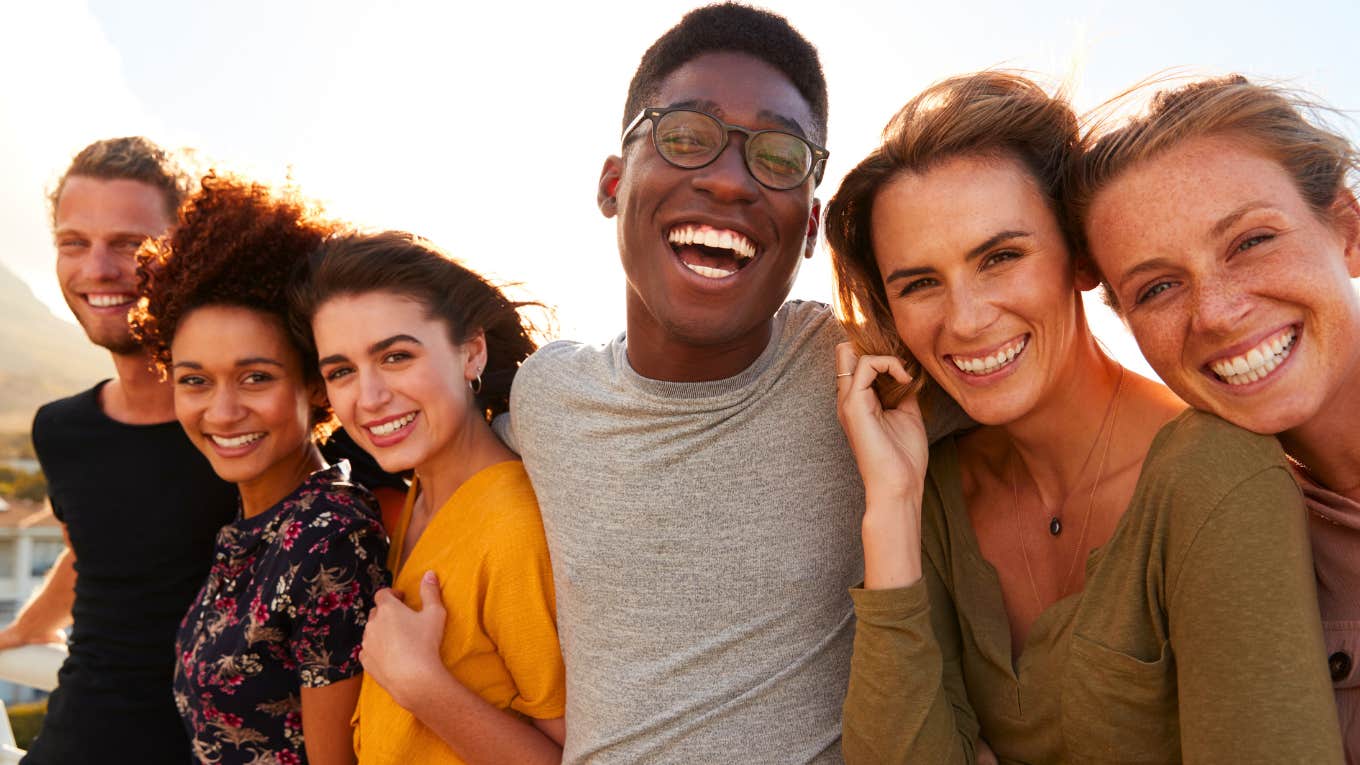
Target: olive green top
pixel 1196 638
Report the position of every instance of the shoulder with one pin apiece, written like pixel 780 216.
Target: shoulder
pixel 501 502
pixel 66 412
pixel 559 355
pixel 811 319
pixel 1202 469
pixel 328 507
pixel 1199 455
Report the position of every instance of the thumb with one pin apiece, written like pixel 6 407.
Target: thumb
pixel 429 590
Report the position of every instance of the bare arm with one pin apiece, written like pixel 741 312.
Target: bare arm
pixel 49 610
pixel 401 652
pixel 326 712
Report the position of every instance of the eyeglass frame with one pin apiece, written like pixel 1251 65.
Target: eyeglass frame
pixel 654 113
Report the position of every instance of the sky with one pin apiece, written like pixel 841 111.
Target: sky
pixel 483 126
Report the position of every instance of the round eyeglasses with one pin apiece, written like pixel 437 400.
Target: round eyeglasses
pixel 692 139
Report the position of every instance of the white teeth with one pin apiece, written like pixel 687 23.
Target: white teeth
pixel 388 428
pixel 719 239
pixel 985 365
pixel 711 273
pixel 237 441
pixel 107 300
pixel 1256 363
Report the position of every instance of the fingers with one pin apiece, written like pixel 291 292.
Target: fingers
pixel 855 372
pixel 429 589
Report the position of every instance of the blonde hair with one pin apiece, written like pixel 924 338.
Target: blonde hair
pixel 1282 123
pixel 997 113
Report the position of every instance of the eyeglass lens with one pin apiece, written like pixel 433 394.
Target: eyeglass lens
pixel 693 139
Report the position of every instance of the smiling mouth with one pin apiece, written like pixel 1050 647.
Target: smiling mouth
pixel 1257 363
pixel 109 299
pixel 713 253
pixel 985 365
pixel 392 426
pixel 236 442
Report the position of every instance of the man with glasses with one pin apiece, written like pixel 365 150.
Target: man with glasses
pixel 701 504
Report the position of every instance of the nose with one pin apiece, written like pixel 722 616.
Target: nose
pixel 224 407
pixel 105 263
pixel 727 178
pixel 968 312
pixel 373 392
pixel 1220 306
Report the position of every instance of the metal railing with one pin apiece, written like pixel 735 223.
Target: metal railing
pixel 32 665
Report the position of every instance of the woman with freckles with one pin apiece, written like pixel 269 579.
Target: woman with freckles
pixel 461 658
pixel 1224 224
pixel 1094 573
pixel 268 655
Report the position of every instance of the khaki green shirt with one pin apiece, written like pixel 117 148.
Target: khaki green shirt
pixel 1196 638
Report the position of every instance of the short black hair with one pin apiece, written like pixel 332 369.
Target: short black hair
pixel 735 28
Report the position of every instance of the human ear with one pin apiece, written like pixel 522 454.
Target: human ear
pixel 607 189
pixel 474 356
pixel 1346 220
pixel 814 225
pixel 1085 275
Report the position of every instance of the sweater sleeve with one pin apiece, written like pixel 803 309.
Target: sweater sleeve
pixel 1245 631
pixel 906 701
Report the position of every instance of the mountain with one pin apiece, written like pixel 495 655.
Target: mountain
pixel 41 357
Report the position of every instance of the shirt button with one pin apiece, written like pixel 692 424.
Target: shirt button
pixel 1340 665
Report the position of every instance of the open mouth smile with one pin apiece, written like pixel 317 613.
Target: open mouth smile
pixel 1259 362
pixel 237 445
pixel 109 299
pixel 991 363
pixel 713 253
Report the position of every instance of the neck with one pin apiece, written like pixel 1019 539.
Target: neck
pixel 1056 441
pixel 473 449
pixel 1329 444
pixel 279 480
pixel 137 395
pixel 658 354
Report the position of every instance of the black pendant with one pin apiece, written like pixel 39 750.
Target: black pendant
pixel 1055 526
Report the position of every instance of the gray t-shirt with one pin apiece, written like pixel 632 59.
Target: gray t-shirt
pixel 703 537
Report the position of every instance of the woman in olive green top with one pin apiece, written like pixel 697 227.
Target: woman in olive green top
pixel 1094 574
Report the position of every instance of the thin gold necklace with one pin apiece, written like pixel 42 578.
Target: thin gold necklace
pixel 1111 414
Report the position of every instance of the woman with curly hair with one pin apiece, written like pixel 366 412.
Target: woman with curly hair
pixel 268 655
pixel 1096 573
pixel 418 353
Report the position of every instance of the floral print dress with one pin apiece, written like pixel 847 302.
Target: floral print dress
pixel 283 608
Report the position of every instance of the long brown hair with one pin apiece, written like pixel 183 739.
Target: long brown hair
pixel 407 265
pixel 986 113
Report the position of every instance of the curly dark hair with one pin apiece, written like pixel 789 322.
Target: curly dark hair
pixel 236 244
pixel 735 28
pixel 131 158
pixel 407 265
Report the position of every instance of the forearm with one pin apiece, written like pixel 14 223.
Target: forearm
pixel 891 532
pixel 906 700
pixel 475 730
pixel 49 609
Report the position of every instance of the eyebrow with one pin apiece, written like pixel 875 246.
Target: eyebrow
pixel 1227 221
pixel 248 361
pixel 787 123
pixel 989 243
pixel 377 347
pixel 1151 264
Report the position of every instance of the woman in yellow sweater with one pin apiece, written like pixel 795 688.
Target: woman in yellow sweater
pixel 461 658
pixel 1095 574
